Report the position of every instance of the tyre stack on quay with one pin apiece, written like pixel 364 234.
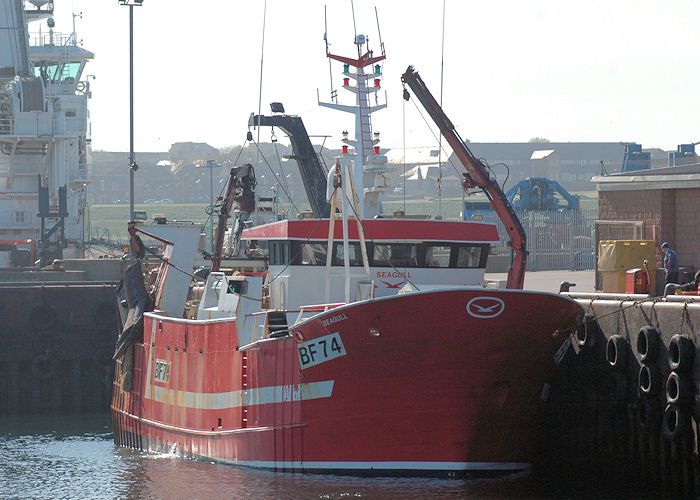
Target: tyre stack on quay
pixel 625 401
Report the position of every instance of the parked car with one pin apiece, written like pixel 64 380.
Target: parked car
pixel 150 201
pixel 198 198
pixel 166 201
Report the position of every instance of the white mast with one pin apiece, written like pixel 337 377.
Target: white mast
pixel 369 166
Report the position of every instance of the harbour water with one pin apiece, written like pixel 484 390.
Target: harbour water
pixel 74 457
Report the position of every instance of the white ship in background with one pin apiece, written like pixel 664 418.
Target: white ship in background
pixel 44 137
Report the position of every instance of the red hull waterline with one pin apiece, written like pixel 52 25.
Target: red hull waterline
pixel 441 383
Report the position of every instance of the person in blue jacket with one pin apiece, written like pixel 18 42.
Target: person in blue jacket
pixel 670 263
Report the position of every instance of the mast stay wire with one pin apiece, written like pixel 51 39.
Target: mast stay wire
pixel 459 172
pixel 376 247
pixel 403 134
pixel 284 184
pixel 381 44
pixel 262 56
pixel 442 80
pixel 354 26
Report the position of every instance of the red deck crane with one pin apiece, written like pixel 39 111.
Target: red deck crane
pixel 240 188
pixel 476 176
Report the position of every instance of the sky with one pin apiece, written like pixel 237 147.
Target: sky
pixel 567 71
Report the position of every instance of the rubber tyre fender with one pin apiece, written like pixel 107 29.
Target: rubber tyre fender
pixel 648 344
pixel 43 367
pixel 679 388
pixel 619 386
pixel 616 351
pixel 676 421
pixel 42 317
pixel 681 352
pixel 649 380
pixel 587 332
pixel 43 343
pixel 649 414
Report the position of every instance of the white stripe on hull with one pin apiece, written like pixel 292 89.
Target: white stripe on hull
pixel 233 399
pixel 237 399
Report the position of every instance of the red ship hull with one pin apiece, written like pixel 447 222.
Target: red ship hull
pixel 444 383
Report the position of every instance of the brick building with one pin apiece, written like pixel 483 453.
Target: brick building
pixel 665 200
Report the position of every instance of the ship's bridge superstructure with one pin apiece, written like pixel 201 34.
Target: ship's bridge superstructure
pixel 44 131
pixel 369 165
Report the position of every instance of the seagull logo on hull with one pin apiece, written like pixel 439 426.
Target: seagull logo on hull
pixel 485 307
pixel 389 285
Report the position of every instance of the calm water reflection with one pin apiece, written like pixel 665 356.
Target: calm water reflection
pixel 68 457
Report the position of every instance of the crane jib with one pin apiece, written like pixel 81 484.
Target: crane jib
pixel 478 174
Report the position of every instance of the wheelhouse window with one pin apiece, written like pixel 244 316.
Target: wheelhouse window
pixel 398 255
pixel 437 255
pixel 313 254
pixel 68 72
pixel 471 256
pixel 46 71
pixel 354 254
pixel 279 253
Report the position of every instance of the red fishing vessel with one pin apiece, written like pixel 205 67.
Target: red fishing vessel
pixel 369 346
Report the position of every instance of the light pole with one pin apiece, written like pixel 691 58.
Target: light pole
pixel 133 167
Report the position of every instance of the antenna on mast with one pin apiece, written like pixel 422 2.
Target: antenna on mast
pixel 74 35
pixel 334 94
pixel 354 26
pixel 379 32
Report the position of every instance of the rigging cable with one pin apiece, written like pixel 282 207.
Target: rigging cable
pixel 354 26
pixel 403 132
pixel 259 152
pixel 294 257
pixel 262 56
pixel 273 138
pixel 442 75
pixel 377 247
pixel 210 210
pixel 457 171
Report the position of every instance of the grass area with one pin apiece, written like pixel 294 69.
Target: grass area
pixel 109 221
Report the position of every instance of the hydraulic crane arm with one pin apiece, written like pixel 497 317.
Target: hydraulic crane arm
pixel 477 176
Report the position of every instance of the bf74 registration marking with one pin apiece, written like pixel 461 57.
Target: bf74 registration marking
pixel 320 350
pixel 161 371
